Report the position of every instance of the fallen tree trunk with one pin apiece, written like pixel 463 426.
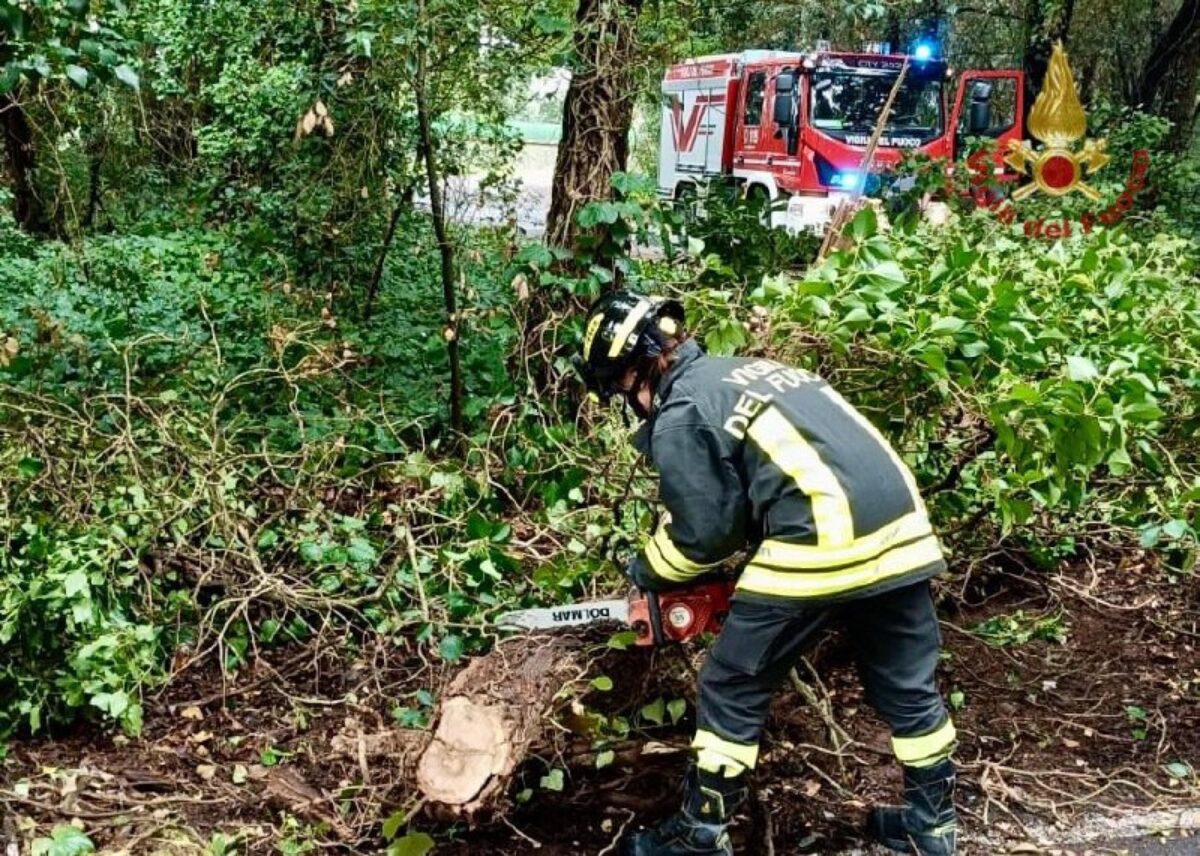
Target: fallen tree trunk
pixel 493 715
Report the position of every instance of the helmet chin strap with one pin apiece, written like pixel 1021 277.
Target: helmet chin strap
pixel 633 397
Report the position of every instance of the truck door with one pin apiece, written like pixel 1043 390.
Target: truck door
pixel 762 156
pixel 989 104
pixel 753 125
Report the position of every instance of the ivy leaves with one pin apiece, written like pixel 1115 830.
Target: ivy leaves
pixel 44 40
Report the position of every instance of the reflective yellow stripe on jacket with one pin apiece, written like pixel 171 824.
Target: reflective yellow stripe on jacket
pixel 666 560
pixel 815 582
pixel 838 562
pixel 788 450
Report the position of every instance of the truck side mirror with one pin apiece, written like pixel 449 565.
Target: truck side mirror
pixel 784 108
pixel 979 117
pixel 785 98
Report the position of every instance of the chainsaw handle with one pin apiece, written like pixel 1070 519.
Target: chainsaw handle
pixel 654 613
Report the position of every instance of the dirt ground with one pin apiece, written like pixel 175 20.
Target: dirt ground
pixel 1088 745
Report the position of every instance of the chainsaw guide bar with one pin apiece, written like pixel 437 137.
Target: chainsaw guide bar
pixel 548 618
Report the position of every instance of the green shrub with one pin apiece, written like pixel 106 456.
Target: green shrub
pixel 1023 378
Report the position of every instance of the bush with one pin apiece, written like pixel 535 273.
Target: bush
pixel 198 458
pixel 1026 381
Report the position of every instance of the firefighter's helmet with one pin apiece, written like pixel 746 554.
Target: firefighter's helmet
pixel 623 330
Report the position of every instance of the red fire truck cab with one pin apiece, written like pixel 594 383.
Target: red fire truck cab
pixel 795 125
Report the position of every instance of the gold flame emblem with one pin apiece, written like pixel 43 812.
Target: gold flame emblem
pixel 1058 120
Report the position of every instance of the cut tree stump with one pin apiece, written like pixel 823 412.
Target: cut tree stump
pixel 492 716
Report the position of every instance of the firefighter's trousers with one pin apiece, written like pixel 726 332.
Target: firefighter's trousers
pixel 897 641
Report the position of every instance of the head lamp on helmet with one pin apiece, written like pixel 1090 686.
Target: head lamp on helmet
pixel 623 330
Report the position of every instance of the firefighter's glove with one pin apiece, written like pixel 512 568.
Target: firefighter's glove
pixel 639 573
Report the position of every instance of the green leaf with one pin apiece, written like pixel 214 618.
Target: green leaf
pixel 676 708
pixel 1178 770
pixel 865 223
pixel 311 552
pixel 392 825
pixel 1119 461
pixel 603 683
pixel 132 720
pixel 1025 392
pixel 127 75
pixel 361 552
pixel 604 759
pixel 63 841
pixel 958 699
pixel 551 24
pixel 622 640
pixel 1175 529
pixel 78 75
pixel 413 844
pixel 113 704
pixel 451 648
pixel 9 77
pixel 889 271
pixel 1081 369
pixel 654 711
pixel 75 583
pixel 947 325
pixel 552 781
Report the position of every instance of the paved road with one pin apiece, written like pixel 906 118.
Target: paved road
pixel 467 202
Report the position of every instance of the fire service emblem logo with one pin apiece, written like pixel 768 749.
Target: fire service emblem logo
pixel 1057 120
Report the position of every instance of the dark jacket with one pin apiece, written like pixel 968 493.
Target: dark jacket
pixel 754 453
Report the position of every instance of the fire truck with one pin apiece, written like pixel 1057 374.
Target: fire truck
pixel 794 126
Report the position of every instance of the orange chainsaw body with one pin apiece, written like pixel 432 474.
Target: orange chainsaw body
pixel 679 614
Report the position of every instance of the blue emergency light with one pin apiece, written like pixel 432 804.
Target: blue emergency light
pixel 923 51
pixel 846 180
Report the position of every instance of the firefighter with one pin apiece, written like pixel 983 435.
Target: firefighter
pixel 759 457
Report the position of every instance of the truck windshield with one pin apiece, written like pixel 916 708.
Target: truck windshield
pixel 846 105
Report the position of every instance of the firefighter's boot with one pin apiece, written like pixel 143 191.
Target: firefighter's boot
pixel 699 827
pixel 927 824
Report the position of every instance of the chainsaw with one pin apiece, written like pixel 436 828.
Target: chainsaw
pixel 656 617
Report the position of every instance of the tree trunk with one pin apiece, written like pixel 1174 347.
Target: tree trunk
pixel 438 210
pixel 1168 81
pixel 1044 25
pixel 597 113
pixel 491 717
pixel 18 143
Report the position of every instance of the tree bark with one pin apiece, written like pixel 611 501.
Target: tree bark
pixel 491 717
pixel 380 261
pixel 18 143
pixel 1168 81
pixel 445 247
pixel 597 113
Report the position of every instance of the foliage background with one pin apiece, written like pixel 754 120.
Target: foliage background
pixel 223 381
